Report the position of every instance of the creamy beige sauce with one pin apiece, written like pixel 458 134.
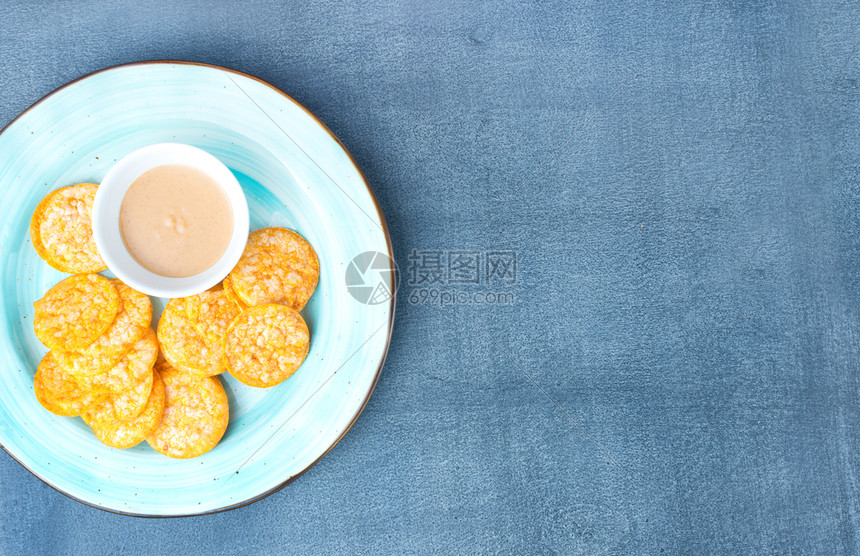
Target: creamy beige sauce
pixel 176 220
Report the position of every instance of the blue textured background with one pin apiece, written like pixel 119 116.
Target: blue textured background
pixel 688 240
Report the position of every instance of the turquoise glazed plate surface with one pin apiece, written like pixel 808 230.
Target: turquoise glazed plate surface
pixel 295 174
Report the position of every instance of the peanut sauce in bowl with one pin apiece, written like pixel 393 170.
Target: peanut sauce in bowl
pixel 176 220
pixel 170 220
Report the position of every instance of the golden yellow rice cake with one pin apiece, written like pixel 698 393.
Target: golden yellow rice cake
pixel 266 345
pixel 61 230
pixel 75 402
pixel 131 369
pixel 160 359
pixel 166 364
pixel 182 344
pixel 196 414
pixel 56 381
pixel 128 404
pixel 132 321
pixel 75 312
pixel 231 294
pixel 116 433
pixel 211 314
pixel 277 266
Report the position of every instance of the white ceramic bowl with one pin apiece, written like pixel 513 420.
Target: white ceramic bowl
pixel 106 227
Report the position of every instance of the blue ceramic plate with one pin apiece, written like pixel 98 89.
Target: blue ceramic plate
pixel 295 174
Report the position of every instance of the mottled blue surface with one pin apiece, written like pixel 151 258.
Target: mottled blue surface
pixel 681 187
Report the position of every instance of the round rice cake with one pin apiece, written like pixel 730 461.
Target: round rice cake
pixel 116 433
pixel 171 364
pixel 277 266
pixel 196 414
pixel 266 345
pixel 129 403
pixel 62 232
pixel 132 321
pixel 231 294
pixel 75 312
pixel 131 369
pixel 76 401
pixel 55 380
pixel 184 346
pixel 211 314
